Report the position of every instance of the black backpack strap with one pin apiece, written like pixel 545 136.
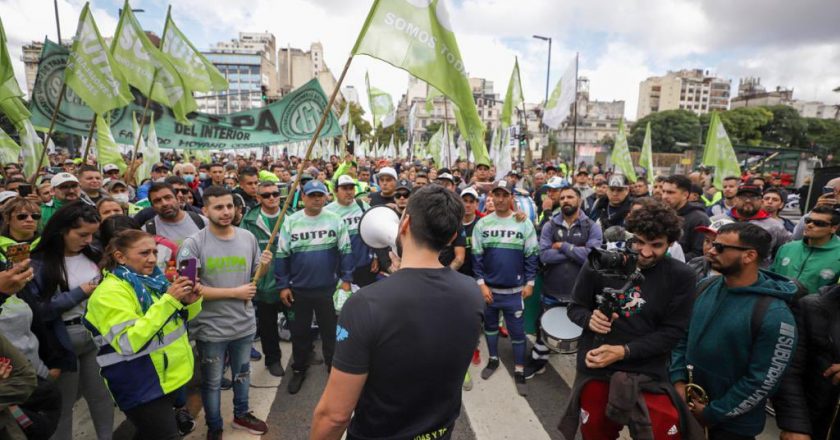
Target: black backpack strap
pixel 199 222
pixel 759 310
pixel 361 205
pixel 150 226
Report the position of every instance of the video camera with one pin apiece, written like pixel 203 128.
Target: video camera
pixel 618 264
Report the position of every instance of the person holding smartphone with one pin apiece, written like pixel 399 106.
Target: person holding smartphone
pixel 20 224
pixel 139 322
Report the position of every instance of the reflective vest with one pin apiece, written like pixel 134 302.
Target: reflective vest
pixel 142 356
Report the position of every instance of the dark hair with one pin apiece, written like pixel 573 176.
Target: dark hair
pixel 123 240
pixel 681 182
pixel 114 224
pixel 51 248
pixel 248 171
pixel 824 209
pixel 750 235
pixel 778 192
pixel 641 179
pixel 435 213
pixel 159 186
pixel 571 188
pixel 85 168
pixel 654 220
pixel 174 180
pixel 215 164
pixel 214 191
pixel 660 179
pixel 735 178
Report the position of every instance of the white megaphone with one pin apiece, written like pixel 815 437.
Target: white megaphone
pixel 379 228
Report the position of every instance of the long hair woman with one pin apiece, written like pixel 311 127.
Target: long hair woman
pixel 66 273
pixel 20 223
pixel 139 321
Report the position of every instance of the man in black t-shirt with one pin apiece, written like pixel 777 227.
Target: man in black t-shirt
pixel 471 215
pixel 431 351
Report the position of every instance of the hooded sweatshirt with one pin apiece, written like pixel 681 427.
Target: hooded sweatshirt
pixel 738 370
pixel 813 266
pixel 763 220
pixel 693 215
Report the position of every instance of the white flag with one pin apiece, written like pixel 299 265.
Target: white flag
pixel 345 116
pixel 562 97
pixel 390 119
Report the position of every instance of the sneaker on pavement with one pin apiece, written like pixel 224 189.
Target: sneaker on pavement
pixel 476 360
pixel 296 382
pixel 488 371
pixel 248 422
pixel 185 421
pixel 276 370
pixel 214 435
pixel 255 355
pixel 226 384
pixel 534 367
pixel 521 385
pixel 468 382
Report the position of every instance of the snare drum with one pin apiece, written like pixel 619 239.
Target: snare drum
pixel 559 333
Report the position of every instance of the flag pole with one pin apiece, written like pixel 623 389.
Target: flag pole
pixel 522 155
pixel 574 116
pixel 130 172
pixel 58 102
pixel 260 272
pixel 89 139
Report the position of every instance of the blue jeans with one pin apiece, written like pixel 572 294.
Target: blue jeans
pixel 211 357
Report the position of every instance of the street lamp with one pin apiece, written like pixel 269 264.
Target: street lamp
pixel 548 70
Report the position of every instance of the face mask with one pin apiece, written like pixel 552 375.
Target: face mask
pixel 189 178
pixel 160 179
pixel 202 176
pixel 120 198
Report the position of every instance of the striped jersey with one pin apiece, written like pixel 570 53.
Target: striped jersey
pixel 505 252
pixel 351 215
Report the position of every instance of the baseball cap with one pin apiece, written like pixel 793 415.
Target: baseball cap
pixel 713 228
pixel 748 189
pixel 387 171
pixel 314 186
pixel 446 176
pixel 7 195
pixel 695 189
pixel 469 191
pixel 617 181
pixel 345 180
pixel 503 185
pixel 69 162
pixel 62 178
pixel 110 167
pixel 404 184
pixel 514 173
pixel 114 182
pixel 556 183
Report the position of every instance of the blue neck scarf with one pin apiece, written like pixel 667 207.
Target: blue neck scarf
pixel 142 283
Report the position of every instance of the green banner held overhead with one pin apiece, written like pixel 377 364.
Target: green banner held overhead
pixel 291 119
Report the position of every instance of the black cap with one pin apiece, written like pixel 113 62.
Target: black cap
pixel 749 189
pixel 404 184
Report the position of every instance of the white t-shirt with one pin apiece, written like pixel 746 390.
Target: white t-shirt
pixel 80 269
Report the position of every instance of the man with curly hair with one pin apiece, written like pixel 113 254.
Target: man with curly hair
pixel 623 358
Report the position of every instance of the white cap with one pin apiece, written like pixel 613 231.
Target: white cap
pixel 446 176
pixel 110 167
pixel 345 180
pixel 7 195
pixel 617 181
pixel 470 191
pixel 62 178
pixel 387 171
pixel 556 182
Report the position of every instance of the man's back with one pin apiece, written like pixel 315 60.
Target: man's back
pixel 393 331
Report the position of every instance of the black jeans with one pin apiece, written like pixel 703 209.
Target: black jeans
pixel 716 434
pixel 267 314
pixel 155 419
pixel 300 323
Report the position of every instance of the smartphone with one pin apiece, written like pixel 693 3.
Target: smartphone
pixel 826 190
pixel 24 189
pixel 188 268
pixel 16 253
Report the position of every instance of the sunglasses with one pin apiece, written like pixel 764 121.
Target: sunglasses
pixel 269 195
pixel 182 191
pixel 817 223
pixel 401 195
pixel 720 247
pixel 25 215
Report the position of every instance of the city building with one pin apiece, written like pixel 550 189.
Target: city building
pixel 752 94
pixel 250 66
pixel 30 58
pixel 297 67
pixel 695 90
pixel 597 121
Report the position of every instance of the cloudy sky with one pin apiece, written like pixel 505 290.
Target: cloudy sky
pixel 792 44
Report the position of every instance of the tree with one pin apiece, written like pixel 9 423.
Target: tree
pixel 667 129
pixel 823 134
pixel 743 124
pixel 787 129
pixel 357 114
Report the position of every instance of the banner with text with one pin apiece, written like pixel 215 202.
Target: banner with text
pixel 291 119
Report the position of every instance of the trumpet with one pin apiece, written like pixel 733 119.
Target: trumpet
pixel 694 391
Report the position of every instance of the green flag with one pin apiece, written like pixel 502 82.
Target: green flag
pixel 90 69
pixel 620 156
pixel 200 74
pixel 9 149
pixel 417 37
pixel 513 97
pixel 8 84
pixel 646 158
pixel 719 152
pixel 107 150
pixel 145 66
pixel 144 170
pixel 31 148
pixel 380 102
pixel 436 145
pixel 431 94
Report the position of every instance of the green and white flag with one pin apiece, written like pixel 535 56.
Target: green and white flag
pixel 194 68
pixel 31 147
pixel 513 97
pixel 144 66
pixel 9 149
pixel 436 145
pixel 719 152
pixel 90 69
pixel 646 158
pixel 431 94
pixel 620 156
pixel 107 150
pixel 417 36
pixel 562 97
pixel 144 170
pixel 380 102
pixel 345 115
pixel 8 84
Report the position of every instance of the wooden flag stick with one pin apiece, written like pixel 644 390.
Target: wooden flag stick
pixel 58 102
pixel 260 272
pixel 89 139
pixel 132 169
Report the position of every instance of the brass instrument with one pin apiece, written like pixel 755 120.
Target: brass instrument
pixel 694 391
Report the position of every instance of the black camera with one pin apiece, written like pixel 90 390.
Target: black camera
pixel 618 263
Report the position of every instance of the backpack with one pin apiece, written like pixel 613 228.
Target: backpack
pixel 196 218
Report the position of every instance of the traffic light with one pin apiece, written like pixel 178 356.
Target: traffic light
pixel 264 91
pixel 523 140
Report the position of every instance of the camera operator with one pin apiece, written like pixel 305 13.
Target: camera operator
pixel 624 352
